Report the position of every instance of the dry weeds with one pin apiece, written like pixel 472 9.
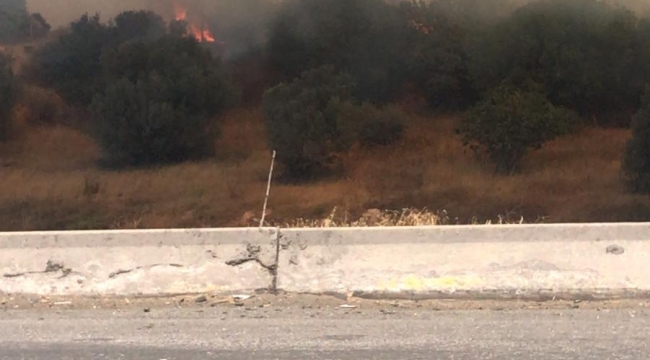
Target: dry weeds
pixel 388 218
pixel 49 180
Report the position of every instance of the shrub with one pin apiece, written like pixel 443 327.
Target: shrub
pixel 636 160
pixel 512 121
pixel 303 121
pixel 160 108
pixel 8 92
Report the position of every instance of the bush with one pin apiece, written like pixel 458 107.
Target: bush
pixel 314 119
pixel 303 121
pixel 511 122
pixel 636 160
pixel 8 91
pixel 160 108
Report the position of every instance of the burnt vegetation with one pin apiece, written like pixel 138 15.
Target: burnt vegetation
pixel 331 77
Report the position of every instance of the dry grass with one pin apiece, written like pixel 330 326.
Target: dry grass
pixel 49 180
pixel 387 218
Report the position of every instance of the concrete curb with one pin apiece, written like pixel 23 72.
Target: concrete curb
pixel 533 262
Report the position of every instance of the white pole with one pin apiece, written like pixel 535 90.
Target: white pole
pixel 268 190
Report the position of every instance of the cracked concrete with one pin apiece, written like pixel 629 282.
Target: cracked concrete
pixel 537 261
pixel 254 254
pixel 137 262
pixel 50 267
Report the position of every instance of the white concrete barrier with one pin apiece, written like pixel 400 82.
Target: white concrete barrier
pixel 509 261
pixel 148 262
pixel 523 261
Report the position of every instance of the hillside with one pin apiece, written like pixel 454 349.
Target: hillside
pixel 50 181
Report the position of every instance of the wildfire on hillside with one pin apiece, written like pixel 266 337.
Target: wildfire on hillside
pixel 200 33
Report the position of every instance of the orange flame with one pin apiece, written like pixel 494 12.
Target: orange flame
pixel 179 11
pixel 196 31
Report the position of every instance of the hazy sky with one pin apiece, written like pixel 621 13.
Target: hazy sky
pixel 62 12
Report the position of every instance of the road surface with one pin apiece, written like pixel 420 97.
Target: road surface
pixel 304 330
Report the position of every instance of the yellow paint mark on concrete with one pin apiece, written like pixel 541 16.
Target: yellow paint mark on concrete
pixel 417 283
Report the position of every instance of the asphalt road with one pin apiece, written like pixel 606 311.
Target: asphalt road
pixel 328 332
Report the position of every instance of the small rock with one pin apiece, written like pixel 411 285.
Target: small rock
pixel 147 310
pixel 201 299
pixel 239 304
pixel 347 306
pixel 241 297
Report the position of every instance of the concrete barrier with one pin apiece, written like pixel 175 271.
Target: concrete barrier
pixel 510 261
pixel 156 262
pixel 488 261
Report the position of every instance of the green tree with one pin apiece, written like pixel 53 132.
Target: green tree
pixel 314 120
pixel 589 55
pixel 72 65
pixel 160 102
pixel 8 88
pixel 512 121
pixel 303 122
pixel 636 160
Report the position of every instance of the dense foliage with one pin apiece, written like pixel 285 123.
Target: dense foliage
pixel 313 119
pixel 303 120
pixel 159 103
pixel 72 64
pixel 589 55
pixel 511 122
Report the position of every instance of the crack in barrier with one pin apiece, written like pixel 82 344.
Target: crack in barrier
pixel 121 272
pixel 253 254
pixel 50 267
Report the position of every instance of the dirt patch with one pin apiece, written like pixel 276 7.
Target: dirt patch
pixel 296 301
